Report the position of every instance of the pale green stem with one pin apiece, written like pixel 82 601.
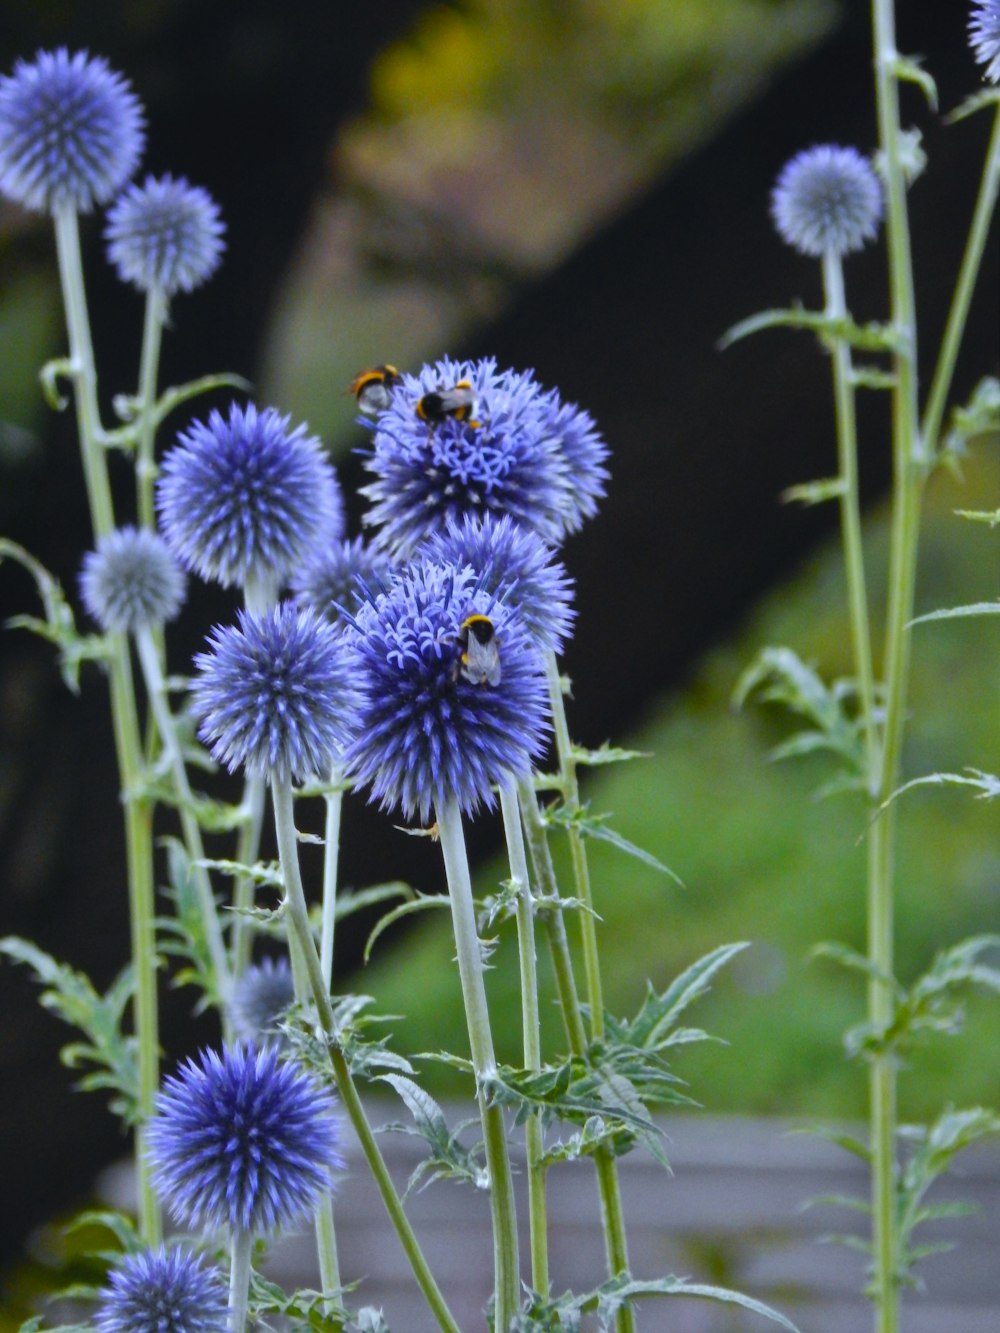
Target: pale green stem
pixel 909 467
pixel 531 1030
pixel 258 595
pixel 295 906
pixel 326 1249
pixel 578 852
pixel 334 799
pixel 124 716
pixel 850 514
pixel 957 315
pixel 156 689
pixel 612 1217
pixel 240 1249
pixel 81 353
pixel 145 468
pixel 470 970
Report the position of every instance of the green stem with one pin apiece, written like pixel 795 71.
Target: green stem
pixel 145 468
pixel 612 1216
pixel 81 353
pixel 531 1032
pixel 149 659
pixel 850 514
pixel 578 852
pixel 334 799
pixel 240 1249
pixel 295 906
pixel 470 969
pixel 124 716
pixel 909 469
pixel 957 315
pixel 326 1249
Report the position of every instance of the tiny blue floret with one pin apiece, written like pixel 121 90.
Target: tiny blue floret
pixel 165 234
pixel 71 132
pixel 243 1140
pixel 275 694
pixel 245 497
pixel 827 199
pixel 163 1291
pixel 131 580
pixel 425 731
pixel 984 36
pixel 516 567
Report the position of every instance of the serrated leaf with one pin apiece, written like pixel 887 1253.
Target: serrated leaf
pixel 362 899
pixel 597 827
pixel 419 903
pixel 659 1012
pixel 606 754
pixel 449 1159
pixel 844 956
pixel 872 337
pixel 622 1290
pixel 814 492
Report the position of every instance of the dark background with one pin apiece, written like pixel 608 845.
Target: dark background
pixel 246 98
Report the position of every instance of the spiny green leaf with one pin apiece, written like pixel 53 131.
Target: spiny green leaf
pixel 420 902
pixel 624 1290
pixel 814 492
pixel 976 102
pixel 659 1012
pixel 449 1159
pixel 596 827
pixel 605 754
pixel 868 337
pixel 954 612
pixel 990 516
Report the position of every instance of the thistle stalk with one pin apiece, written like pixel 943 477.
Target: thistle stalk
pixel 145 467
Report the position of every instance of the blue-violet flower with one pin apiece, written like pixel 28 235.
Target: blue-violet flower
pixel 165 233
pixel 71 132
pixel 275 693
pixel 247 498
pixel 518 452
pixel 338 576
pixel 516 567
pixel 984 36
pixel 163 1291
pixel 243 1140
pixel 425 732
pixel 131 580
pixel 260 996
pixel 827 199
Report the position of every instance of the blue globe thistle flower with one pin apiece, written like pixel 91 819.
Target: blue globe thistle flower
pixel 505 460
pixel 984 36
pixel 245 497
pixel 584 453
pixel 425 731
pixel 71 131
pixel 131 580
pixel 337 576
pixel 243 1140
pixel 260 996
pixel 163 1291
pixel 827 198
pixel 165 233
pixel 516 567
pixel 275 693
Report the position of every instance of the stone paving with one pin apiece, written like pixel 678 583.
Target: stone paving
pixel 730 1215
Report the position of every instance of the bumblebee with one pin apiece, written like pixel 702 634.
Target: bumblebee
pixel 373 388
pixel 480 659
pixel 458 402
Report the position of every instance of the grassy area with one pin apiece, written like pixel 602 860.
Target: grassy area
pixel 764 861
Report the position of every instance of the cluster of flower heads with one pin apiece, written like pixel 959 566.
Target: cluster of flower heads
pixel 71 136
pixel 523 453
pixel 243 1140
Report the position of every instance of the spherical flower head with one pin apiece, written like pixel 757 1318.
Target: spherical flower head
pixel 71 132
pixel 827 199
pixel 163 1291
pixel 275 694
pixel 583 453
pixel 984 36
pixel 338 577
pixel 426 732
pixel 260 996
pixel 503 460
pixel 165 234
pixel 515 566
pixel 131 580
pixel 243 1140
pixel 245 497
